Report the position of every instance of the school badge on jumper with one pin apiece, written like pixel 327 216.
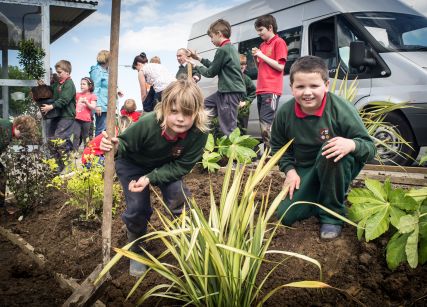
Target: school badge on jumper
pixel 324 134
pixel 177 151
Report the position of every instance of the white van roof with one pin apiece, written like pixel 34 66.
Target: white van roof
pixel 252 9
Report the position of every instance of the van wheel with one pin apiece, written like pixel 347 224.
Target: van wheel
pixel 393 152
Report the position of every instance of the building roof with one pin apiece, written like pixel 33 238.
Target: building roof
pixel 21 18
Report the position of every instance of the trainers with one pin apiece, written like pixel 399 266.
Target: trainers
pixel 136 268
pixel 330 231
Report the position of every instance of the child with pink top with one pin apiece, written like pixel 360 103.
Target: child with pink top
pixel 85 105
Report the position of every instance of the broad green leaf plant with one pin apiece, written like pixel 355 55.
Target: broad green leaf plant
pixel 234 147
pixel 379 207
pixel 217 259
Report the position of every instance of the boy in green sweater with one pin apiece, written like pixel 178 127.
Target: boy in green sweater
pixel 159 149
pixel 61 127
pixel 225 65
pixel 330 147
pixel 22 127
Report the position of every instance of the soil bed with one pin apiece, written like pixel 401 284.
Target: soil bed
pixel 74 249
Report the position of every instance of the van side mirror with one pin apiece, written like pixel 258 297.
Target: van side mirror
pixel 358 55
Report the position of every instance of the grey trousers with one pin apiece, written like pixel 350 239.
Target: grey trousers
pixel 224 105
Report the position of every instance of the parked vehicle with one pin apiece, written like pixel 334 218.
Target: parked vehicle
pixel 383 43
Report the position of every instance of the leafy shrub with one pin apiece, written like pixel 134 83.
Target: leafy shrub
pixel 379 206
pixel 217 260
pixel 31 56
pixel 234 147
pixel 27 175
pixel 85 188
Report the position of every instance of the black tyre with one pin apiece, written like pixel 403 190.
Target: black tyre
pixel 396 152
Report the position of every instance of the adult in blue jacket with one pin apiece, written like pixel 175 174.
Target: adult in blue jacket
pixel 99 75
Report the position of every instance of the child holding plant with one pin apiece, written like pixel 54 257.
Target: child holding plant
pixel 159 149
pixel 330 147
pixel 223 103
pixel 22 127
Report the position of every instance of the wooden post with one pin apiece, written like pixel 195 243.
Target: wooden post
pixel 111 116
pixel 190 71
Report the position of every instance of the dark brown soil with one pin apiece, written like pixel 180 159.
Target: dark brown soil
pixel 357 268
pixel 23 283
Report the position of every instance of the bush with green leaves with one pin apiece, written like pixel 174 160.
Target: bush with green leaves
pixel 234 147
pixel 380 208
pixel 27 175
pixel 217 259
pixel 84 187
pixel 30 56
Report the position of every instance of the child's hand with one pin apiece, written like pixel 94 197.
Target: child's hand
pixel 46 108
pixel 292 181
pixel 192 53
pixel 338 147
pixel 242 104
pixel 139 186
pixel 98 111
pixel 256 52
pixel 106 144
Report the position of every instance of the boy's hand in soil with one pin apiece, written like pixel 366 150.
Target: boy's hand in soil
pixel 139 186
pixel 338 147
pixel 107 144
pixel 292 181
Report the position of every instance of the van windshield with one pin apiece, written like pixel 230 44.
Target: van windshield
pixel 396 31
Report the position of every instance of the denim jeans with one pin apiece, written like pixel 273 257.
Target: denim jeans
pixel 100 122
pixel 138 206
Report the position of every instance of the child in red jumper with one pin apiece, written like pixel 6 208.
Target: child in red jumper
pixel 92 150
pixel 129 110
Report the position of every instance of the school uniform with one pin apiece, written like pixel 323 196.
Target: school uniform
pixel 270 83
pixel 144 150
pixel 231 88
pixel 322 180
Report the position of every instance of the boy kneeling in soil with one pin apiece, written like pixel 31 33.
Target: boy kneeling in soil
pixel 159 149
pixel 331 145
pixel 22 127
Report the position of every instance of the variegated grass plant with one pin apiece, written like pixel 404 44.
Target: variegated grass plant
pixel 374 118
pixel 217 260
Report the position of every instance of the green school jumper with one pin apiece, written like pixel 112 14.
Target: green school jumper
pixel 322 180
pixel 164 161
pixel 225 65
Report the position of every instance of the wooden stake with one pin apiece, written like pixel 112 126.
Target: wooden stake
pixel 111 117
pixel 190 71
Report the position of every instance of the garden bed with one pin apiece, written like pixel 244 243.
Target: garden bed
pixel 358 268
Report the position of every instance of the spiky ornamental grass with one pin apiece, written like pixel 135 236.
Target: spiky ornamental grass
pixel 217 260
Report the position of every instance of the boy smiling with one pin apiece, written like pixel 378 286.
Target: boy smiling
pixel 330 147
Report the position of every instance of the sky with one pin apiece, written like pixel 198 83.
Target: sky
pixel 158 28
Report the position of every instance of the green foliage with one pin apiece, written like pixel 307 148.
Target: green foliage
pixel 378 207
pixel 234 147
pixel 217 260
pixel 85 187
pixel 31 56
pixel 27 175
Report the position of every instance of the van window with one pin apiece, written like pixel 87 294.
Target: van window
pixel 396 31
pixel 292 38
pixel 330 40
